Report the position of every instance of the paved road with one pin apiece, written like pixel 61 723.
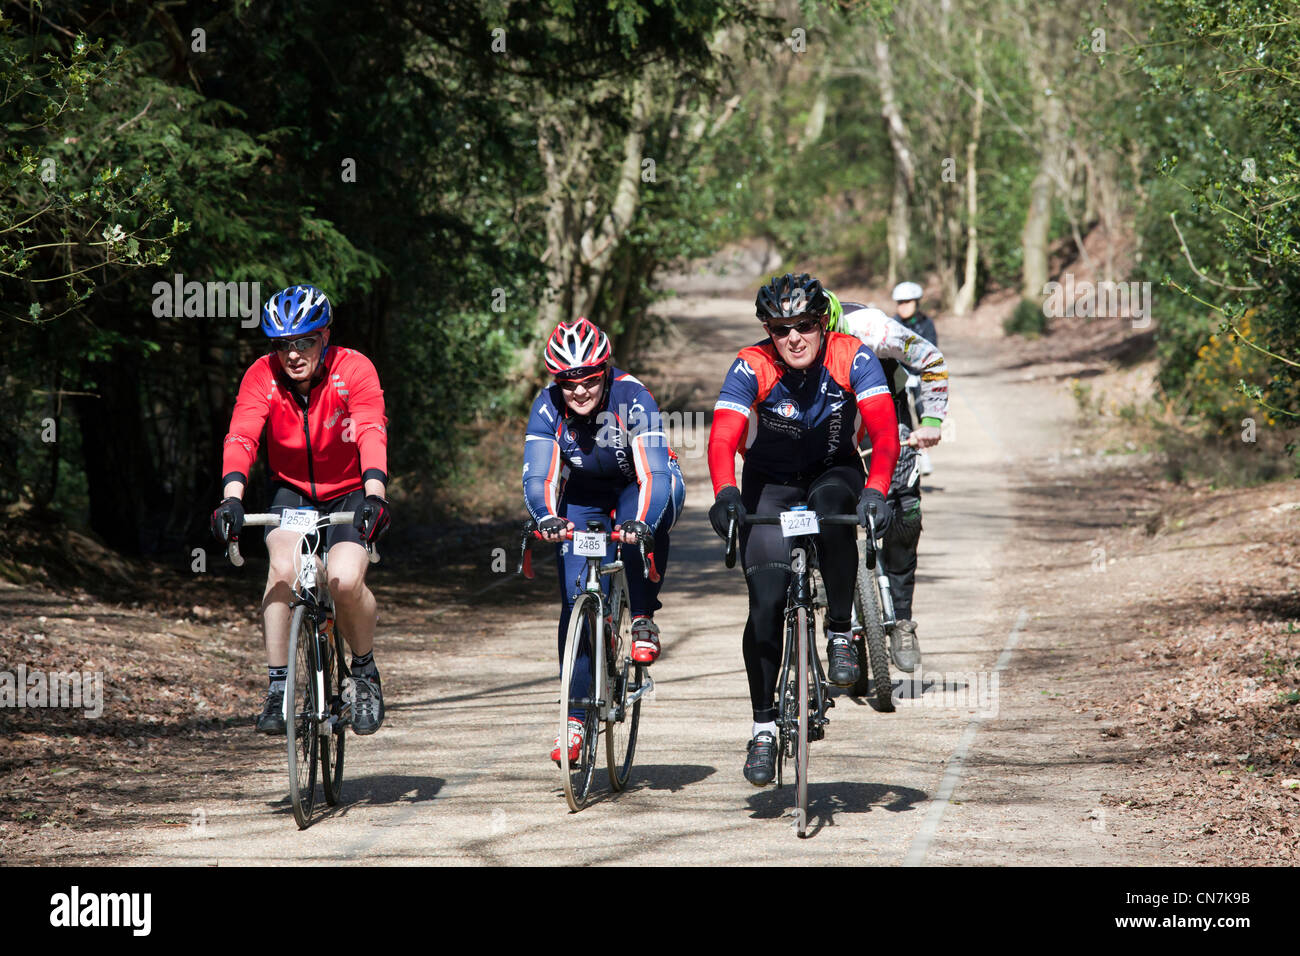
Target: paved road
pixel 459 775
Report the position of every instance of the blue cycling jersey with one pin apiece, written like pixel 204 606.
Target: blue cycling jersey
pixel 622 444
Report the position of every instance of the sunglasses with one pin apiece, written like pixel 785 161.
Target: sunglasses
pixel 588 383
pixel 803 328
pixel 305 344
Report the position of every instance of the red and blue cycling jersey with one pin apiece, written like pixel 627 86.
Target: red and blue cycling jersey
pixel 324 444
pixel 581 457
pixel 791 424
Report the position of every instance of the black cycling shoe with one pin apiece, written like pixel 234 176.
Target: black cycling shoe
pixel 760 765
pixel 271 720
pixel 843 670
pixel 367 702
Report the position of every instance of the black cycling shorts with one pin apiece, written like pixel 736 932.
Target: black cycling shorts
pixel 288 497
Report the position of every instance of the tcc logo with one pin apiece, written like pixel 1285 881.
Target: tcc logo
pixel 787 409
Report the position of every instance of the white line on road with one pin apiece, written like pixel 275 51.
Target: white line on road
pixel 952 776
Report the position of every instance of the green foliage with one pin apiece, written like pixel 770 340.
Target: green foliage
pixel 1026 319
pixel 1222 114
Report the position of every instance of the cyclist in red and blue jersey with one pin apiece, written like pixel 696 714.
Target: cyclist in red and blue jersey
pixel 795 405
pixel 327 448
pixel 595 447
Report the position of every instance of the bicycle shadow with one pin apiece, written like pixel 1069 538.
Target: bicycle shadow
pixel 372 791
pixel 670 777
pixel 827 799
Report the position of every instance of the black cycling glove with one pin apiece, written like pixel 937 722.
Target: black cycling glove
pixel 727 497
pixel 871 499
pixel 373 515
pixel 552 524
pixel 642 530
pixel 228 520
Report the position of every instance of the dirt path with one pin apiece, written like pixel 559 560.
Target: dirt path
pixel 982 766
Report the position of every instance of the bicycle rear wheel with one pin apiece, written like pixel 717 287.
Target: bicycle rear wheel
pixel 804 733
pixel 301 727
pixel 332 744
pixel 870 644
pixel 625 679
pixel 582 629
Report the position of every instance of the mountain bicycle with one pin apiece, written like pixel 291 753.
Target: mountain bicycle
pixel 319 692
pixel 804 693
pixel 873 606
pixel 873 622
pixel 612 695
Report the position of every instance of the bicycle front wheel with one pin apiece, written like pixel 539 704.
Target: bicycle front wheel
pixel 301 726
pixel 805 730
pixel 332 744
pixel 870 644
pixel 625 678
pixel 579 695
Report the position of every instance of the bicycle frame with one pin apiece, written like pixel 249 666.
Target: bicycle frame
pixel 310 589
pixel 801 597
pixel 609 608
pixel 887 618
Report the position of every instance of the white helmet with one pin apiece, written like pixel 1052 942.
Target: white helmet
pixel 906 291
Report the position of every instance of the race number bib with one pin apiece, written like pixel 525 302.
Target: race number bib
pixel 589 544
pixel 302 520
pixel 795 523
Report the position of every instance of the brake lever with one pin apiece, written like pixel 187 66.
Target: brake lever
pixel 730 553
pixel 525 555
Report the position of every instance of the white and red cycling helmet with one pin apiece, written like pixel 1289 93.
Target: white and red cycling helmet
pixel 575 349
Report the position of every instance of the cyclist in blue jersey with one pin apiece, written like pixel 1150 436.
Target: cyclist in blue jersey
pixel 795 405
pixel 595 448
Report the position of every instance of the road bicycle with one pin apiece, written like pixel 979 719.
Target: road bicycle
pixel 804 693
pixel 612 695
pixel 319 692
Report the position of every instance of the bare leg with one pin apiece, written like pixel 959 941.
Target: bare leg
pixel 282 546
pixel 354 604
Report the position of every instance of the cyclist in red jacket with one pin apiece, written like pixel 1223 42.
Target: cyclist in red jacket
pixel 327 449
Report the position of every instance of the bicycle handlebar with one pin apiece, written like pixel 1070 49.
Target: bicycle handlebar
pixel 729 556
pixel 273 521
pixel 530 531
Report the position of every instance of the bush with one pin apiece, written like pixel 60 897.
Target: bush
pixel 1027 320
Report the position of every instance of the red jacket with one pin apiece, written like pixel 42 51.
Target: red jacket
pixel 325 444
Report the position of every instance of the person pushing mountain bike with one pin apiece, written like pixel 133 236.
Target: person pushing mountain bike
pixel 901 350
pixel 595 448
pixel 795 405
pixel 327 448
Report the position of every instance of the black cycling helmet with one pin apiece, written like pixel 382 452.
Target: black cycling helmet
pixel 789 296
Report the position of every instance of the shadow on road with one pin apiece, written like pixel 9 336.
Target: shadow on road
pixel 670 777
pixel 375 791
pixel 827 799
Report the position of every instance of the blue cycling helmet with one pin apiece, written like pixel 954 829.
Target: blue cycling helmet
pixel 297 310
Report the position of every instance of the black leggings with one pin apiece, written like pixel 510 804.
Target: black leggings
pixel 765 555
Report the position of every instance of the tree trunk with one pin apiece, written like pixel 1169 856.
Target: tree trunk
pixel 965 298
pixel 904 162
pixel 1034 238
